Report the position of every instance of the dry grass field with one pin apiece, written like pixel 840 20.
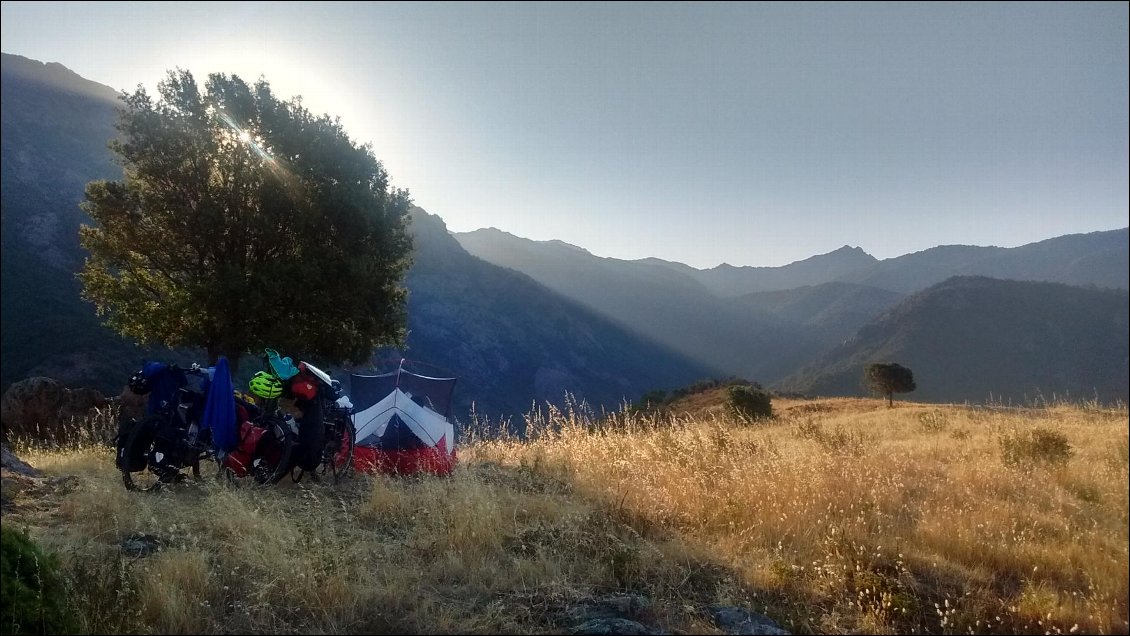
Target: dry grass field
pixel 835 516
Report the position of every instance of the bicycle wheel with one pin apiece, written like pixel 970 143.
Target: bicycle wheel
pixel 149 472
pixel 337 458
pixel 273 454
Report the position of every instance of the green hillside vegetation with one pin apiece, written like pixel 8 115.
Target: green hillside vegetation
pixel 836 516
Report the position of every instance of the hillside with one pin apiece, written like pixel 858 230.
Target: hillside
pixel 976 338
pixel 654 300
pixel 512 341
pixel 838 517
pixel 54 130
pixel 832 312
pixel 783 337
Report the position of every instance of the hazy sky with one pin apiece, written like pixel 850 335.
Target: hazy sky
pixel 755 134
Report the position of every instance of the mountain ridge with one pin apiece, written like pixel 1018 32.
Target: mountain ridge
pixel 979 338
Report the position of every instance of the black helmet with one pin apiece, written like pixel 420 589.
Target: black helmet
pixel 140 384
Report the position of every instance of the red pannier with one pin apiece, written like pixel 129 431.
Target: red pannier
pixel 239 460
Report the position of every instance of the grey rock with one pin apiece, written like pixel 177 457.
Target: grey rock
pixel 615 626
pixel 43 409
pixel 631 606
pixel 738 621
pixel 141 545
pixel 9 461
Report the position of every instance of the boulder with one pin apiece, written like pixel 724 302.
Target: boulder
pixel 9 461
pixel 43 409
pixel 614 614
pixel 740 621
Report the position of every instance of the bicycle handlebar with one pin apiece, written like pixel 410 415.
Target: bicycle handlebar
pixel 194 369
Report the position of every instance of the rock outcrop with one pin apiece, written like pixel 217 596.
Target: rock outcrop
pixel 43 409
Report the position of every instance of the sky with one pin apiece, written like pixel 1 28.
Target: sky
pixel 746 133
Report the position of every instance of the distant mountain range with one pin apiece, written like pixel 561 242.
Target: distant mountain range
pixel 520 321
pixel 979 339
pixel 767 335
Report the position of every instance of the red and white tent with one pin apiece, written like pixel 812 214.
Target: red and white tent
pixel 402 423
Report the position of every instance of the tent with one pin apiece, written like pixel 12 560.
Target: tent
pixel 402 423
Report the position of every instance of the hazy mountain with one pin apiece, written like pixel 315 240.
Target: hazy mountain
pixel 767 335
pixel 832 311
pixel 1098 258
pixel 969 338
pixel 54 127
pixel 728 280
pixel 1101 259
pixel 511 340
pixel 656 300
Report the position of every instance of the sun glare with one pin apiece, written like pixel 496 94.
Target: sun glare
pixel 244 136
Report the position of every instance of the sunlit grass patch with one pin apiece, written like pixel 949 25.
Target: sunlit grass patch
pixel 837 517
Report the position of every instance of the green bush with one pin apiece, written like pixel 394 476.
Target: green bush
pixel 750 401
pixel 31 590
pixel 1037 446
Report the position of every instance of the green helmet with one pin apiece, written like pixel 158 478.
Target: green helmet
pixel 265 385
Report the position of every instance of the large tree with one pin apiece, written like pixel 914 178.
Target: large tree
pixel 242 222
pixel 888 379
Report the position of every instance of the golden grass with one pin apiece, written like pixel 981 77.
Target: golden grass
pixel 837 516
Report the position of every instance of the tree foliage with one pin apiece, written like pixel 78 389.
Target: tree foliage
pixel 888 379
pixel 243 222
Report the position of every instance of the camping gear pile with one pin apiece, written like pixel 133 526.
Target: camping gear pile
pixel 398 425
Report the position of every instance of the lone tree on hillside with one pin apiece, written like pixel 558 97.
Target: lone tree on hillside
pixel 889 379
pixel 244 222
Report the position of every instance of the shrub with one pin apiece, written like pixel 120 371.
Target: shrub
pixel 31 590
pixel 1039 445
pixel 750 401
pixel 933 421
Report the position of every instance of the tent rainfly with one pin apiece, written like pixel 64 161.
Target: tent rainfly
pixel 402 423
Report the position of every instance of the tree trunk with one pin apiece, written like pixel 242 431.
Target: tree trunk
pixel 233 362
pixel 214 353
pixel 890 399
